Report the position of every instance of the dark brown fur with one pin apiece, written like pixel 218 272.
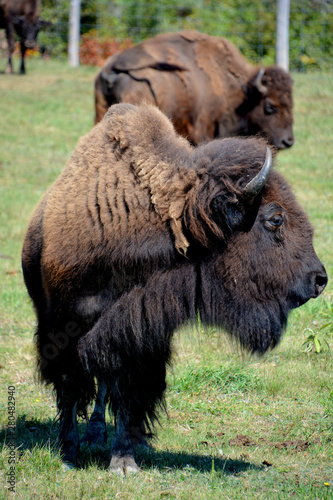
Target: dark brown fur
pixel 203 84
pixel 140 233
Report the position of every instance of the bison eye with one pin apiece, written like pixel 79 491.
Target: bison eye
pixel 269 108
pixel 274 222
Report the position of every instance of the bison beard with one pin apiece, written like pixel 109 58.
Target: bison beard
pixel 140 234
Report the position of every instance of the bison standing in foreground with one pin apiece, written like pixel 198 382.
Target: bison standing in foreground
pixel 140 234
pixel 203 84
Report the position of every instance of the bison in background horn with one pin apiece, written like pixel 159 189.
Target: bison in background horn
pixel 140 234
pixel 203 84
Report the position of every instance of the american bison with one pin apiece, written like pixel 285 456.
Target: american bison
pixel 203 84
pixel 22 17
pixel 140 234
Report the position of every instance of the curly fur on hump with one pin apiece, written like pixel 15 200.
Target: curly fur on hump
pixel 160 165
pixel 131 163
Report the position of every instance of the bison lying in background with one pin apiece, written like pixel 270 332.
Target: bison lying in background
pixel 140 234
pixel 203 84
pixel 20 16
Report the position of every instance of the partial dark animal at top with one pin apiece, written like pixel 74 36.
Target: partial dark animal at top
pixel 140 234
pixel 203 83
pixel 20 17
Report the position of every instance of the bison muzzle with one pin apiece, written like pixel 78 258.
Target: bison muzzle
pixel 140 234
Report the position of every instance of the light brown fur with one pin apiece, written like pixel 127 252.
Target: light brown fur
pixel 147 184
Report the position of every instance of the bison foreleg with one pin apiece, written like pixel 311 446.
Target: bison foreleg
pixel 122 453
pixel 130 345
pixel 96 430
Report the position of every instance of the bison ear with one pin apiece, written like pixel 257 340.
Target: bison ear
pixel 234 213
pixel 229 212
pixel 41 23
pixel 237 212
pixel 18 20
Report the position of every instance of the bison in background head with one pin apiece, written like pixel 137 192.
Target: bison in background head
pixel 204 85
pixel 140 234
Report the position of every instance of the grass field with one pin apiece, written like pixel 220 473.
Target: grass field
pixel 237 427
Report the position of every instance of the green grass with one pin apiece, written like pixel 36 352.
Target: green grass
pixel 237 427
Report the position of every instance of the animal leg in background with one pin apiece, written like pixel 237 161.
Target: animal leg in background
pixel 11 46
pixel 68 438
pixel 96 429
pixel 96 432
pixel 23 49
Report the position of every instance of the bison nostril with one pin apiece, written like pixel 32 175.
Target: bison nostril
pixel 288 142
pixel 320 283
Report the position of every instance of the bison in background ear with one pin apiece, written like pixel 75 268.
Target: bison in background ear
pixel 139 234
pixel 204 85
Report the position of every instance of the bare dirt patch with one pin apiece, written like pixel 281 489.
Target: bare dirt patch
pixel 295 445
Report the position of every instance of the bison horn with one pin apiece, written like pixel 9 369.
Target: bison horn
pixel 258 82
pixel 253 188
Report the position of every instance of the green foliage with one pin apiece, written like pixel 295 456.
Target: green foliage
pixel 142 17
pixel 250 24
pixel 311 27
pixel 315 343
pixel 319 340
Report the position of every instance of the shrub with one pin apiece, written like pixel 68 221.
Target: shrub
pixel 95 50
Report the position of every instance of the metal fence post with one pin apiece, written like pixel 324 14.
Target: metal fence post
pixel 74 33
pixel 282 34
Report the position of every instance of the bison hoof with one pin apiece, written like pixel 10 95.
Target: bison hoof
pixel 123 465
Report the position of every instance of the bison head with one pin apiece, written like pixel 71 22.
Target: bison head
pixel 260 261
pixel 267 109
pixel 28 28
